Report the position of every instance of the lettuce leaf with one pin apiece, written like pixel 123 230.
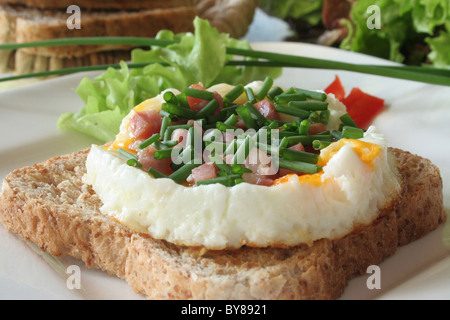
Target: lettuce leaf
pixel 407 27
pixel 197 57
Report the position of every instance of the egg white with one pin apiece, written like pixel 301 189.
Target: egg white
pixel 218 217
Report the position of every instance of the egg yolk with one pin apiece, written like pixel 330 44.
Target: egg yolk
pixel 366 151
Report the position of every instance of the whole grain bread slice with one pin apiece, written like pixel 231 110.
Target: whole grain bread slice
pixel 101 4
pixel 49 205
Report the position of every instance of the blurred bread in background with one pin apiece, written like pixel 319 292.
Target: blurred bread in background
pixel 35 20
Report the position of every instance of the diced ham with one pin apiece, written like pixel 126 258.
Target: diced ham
pixel 146 158
pixel 316 128
pixel 143 124
pixel 267 109
pixel 180 135
pixel 258 179
pixel 204 172
pixel 197 104
pixel 297 147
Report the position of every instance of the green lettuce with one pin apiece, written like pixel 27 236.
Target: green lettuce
pixel 196 57
pixel 307 10
pixel 409 28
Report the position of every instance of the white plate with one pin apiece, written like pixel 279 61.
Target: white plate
pixel 416 120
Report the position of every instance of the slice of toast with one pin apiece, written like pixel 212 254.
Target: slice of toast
pixel 49 205
pixel 101 4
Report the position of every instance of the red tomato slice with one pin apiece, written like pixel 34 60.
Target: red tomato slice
pixel 337 89
pixel 363 107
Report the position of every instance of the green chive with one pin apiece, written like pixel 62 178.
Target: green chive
pixel 164 124
pixel 267 84
pixel 299 166
pixel 286 98
pixel 325 116
pixel 156 174
pixel 274 92
pixel 183 173
pixel 134 163
pixel 198 93
pixel 246 116
pixel 336 134
pixel 319 145
pixel 212 106
pixel 296 155
pixel 224 127
pixel 352 132
pixel 233 94
pixel 231 120
pixel 149 141
pixel 302 114
pixel 309 105
pixel 250 95
pixel 165 153
pixel 304 127
pixel 315 95
pixel 170 97
pixel 348 121
pixel 243 151
pixel 127 154
pixel 307 140
pixel 227 181
pixel 260 119
pixel 178 110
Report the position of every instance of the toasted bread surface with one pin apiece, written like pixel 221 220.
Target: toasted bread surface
pixel 49 205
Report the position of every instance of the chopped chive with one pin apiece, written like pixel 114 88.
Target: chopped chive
pixel 274 92
pixel 171 129
pixel 246 116
pixel 302 114
pixel 182 100
pixel 165 153
pixel 198 93
pixel 213 146
pixel 314 117
pixel 240 169
pixel 286 98
pixel 307 140
pixel 291 90
pixel 243 151
pixel 170 97
pixel 284 143
pixel 231 120
pixel 170 143
pixel 134 163
pixel 352 132
pixel 315 95
pixel 303 128
pixel 223 167
pixel 267 84
pixel 250 95
pixel 207 110
pixel 227 181
pixel 267 148
pixel 325 116
pixel 164 124
pixel 182 173
pixel 224 127
pixel 178 110
pixel 156 174
pixel 127 154
pixel 336 134
pixel 296 155
pixel 231 148
pixel 149 141
pixel 348 121
pixel 260 119
pixel 319 145
pixel 309 105
pixel 299 166
pixel 233 94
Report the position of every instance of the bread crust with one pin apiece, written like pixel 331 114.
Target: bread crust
pixel 49 205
